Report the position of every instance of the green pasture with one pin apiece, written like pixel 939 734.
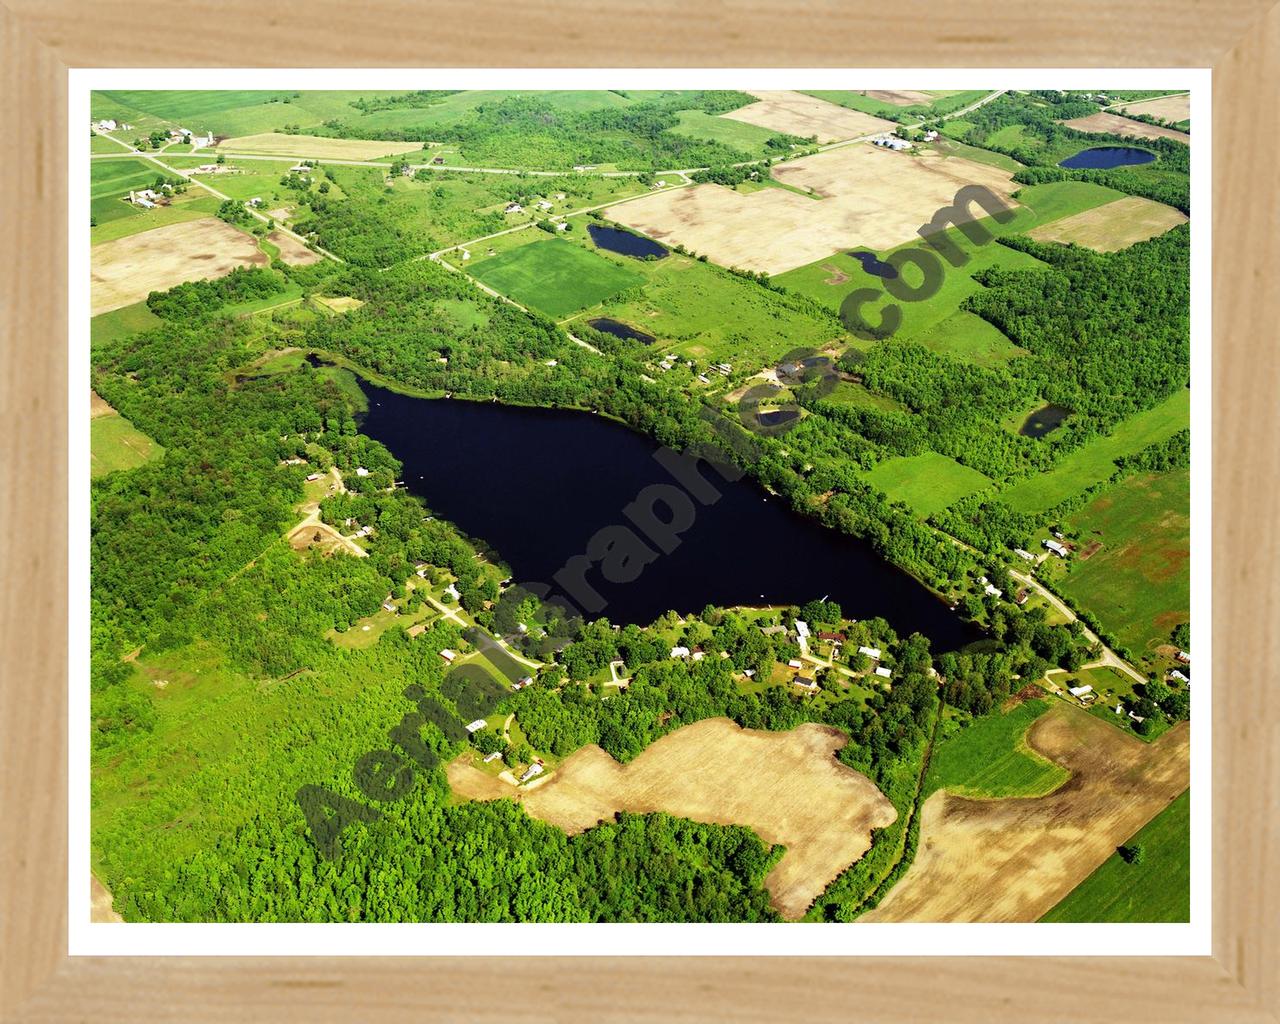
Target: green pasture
pixel 555 277
pixel 926 483
pixel 990 758
pixel 114 443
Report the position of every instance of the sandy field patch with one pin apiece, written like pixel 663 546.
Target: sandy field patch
pixel 1114 124
pixel 872 197
pixel 1168 108
pixel 292 251
pixel 339 303
pixel 786 786
pixel 1012 860
pixel 1113 226
pixel 320 536
pixel 898 97
pixel 797 114
pixel 99 406
pixel 131 268
pixel 101 909
pixel 277 144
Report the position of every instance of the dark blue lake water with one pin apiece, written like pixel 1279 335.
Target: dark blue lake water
pixel 620 330
pixel 1043 420
pixel 538 484
pixel 1103 157
pixel 872 264
pixel 624 242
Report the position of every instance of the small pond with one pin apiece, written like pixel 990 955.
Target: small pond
pixel 624 242
pixel 1044 420
pixel 872 264
pixel 620 330
pixel 1102 157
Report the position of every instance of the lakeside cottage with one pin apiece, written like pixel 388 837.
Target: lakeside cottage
pixel 1057 548
pixel 870 652
pixel 883 672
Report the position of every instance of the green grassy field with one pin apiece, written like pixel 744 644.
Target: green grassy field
pixel 749 138
pixel 1157 890
pixel 122 323
pixel 117 177
pixel 191 206
pixel 1095 461
pixel 927 483
pixel 555 277
pixel 114 443
pixel 969 338
pixel 849 393
pixel 952 147
pixel 1110 685
pixel 990 758
pixel 1138 583
pixel 944 102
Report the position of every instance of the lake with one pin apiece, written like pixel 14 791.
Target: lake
pixel 872 264
pixel 537 485
pixel 624 242
pixel 620 330
pixel 1102 157
pixel 1044 420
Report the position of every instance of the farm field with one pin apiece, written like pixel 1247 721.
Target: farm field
pixel 292 251
pixel 129 269
pixel 1138 583
pixel 989 758
pixel 787 786
pixel 555 277
pixel 114 442
pixel 121 323
pixel 245 179
pixel 1114 124
pixel 1014 859
pixel 1114 226
pixel 891 102
pixel 796 113
pixel 315 146
pixel 1167 108
pixel 1157 890
pixel 927 483
pixel 1095 461
pixel 192 205
pixel 872 198
pixel 750 138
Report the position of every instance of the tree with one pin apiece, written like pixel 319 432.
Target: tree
pixel 1132 853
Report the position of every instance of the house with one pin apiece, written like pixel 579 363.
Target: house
pixel 1079 691
pixel 466 254
pixel 1184 657
pixel 750 673
pixel 1026 556
pixel 490 758
pixel 531 771
pixel 870 652
pixel 795 663
pixel 1058 535
pixel 1023 596
pixel 773 630
pixel 806 681
pixel 802 629
pixel 106 125
pixel 1057 548
pixel 202 141
pixel 883 672
pixel 513 208
pixel 389 606
pixel 448 655
pixel 562 225
pixel 521 683
pixel 679 652
pixel 437 160
pixel 300 168
pixel 835 638
pixel 544 205
pixel 522 628
pixel 477 725
pixel 1177 674
pixel 421 569
pixel 703 377
pixel 1119 709
pixel 992 590
pixel 561 195
pixel 1137 718
pixel 361 471
pixel 930 135
pixel 256 201
pixel 313 476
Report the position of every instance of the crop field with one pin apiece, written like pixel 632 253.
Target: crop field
pixel 1114 124
pixel 192 205
pixel 114 442
pixel 555 277
pixel 1138 583
pixel 872 198
pixel 890 102
pixel 990 758
pixel 316 147
pixel 1157 890
pixel 1115 226
pixel 798 114
pixel 926 483
pixel 787 786
pixel 1014 859
pixel 128 269
pixel 1167 108
pixel 1095 461
pixel 292 251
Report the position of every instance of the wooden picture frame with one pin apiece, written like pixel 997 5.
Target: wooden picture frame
pixel 41 39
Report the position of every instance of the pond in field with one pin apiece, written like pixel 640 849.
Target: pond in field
pixel 1102 157
pixel 872 264
pixel 620 330
pixel 624 242
pixel 557 492
pixel 1043 420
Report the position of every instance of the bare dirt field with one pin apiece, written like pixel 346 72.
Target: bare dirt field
pixel 871 197
pixel 1167 108
pixel 320 536
pixel 292 251
pixel 1116 225
pixel 1013 860
pixel 101 910
pixel 129 269
pixel 1114 124
pixel 898 97
pixel 797 114
pixel 339 303
pixel 99 406
pixel 786 786
pixel 277 144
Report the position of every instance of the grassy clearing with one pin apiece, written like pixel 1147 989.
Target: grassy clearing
pixel 748 138
pixel 555 277
pixel 1139 582
pixel 944 101
pixel 969 338
pixel 122 323
pixel 927 483
pixel 989 758
pixel 134 220
pixel 1095 461
pixel 115 444
pixel 849 393
pixel 1110 685
pixel 1157 890
pixel 316 147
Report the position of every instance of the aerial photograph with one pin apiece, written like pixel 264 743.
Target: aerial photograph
pixel 622 506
